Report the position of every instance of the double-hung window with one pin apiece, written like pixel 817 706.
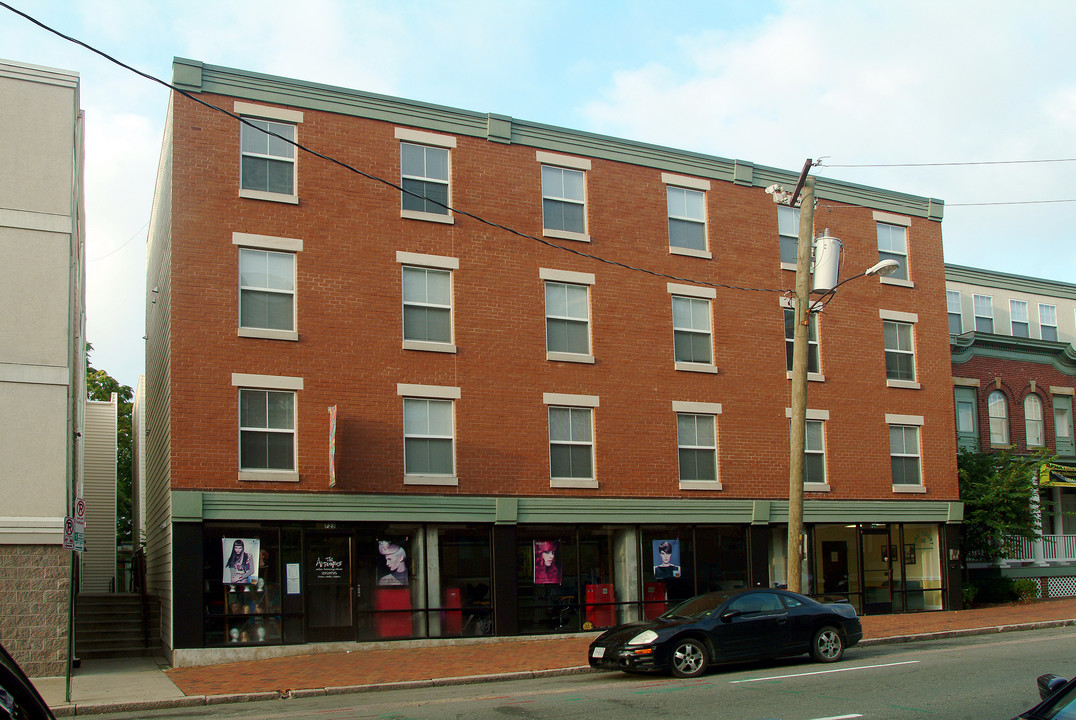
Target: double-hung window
pixel 696 440
pixel 1018 318
pixel 693 341
pixel 267 427
pixel 424 174
pixel 814 449
pixel 998 411
pixel 1033 425
pixel 788 231
pixel 567 315
pixel 904 451
pixel 564 206
pixel 427 301
pixel 952 305
pixel 267 166
pixel 1048 322
pixel 429 434
pixel 571 440
pixel 898 330
pixel 267 267
pixel 984 313
pixel 893 245
pixel 814 362
pixel 685 200
pixel 1063 439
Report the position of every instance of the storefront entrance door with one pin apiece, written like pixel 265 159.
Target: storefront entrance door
pixel 877 572
pixel 330 613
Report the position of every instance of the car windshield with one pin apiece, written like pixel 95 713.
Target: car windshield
pixel 697 607
pixel 1063 707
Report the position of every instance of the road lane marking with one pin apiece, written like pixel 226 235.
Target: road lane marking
pixel 823 672
pixel 839 717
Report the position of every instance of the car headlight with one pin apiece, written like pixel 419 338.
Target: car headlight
pixel 644 638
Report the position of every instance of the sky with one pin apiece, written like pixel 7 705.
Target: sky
pixel 854 82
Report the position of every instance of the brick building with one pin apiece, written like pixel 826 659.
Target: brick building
pixel 1014 371
pixel 560 404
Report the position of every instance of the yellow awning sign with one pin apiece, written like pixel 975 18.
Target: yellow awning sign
pixel 1054 475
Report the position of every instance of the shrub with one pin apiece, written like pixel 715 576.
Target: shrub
pixel 1026 589
pixel 969 592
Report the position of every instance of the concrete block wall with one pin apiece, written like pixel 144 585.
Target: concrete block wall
pixel 34 606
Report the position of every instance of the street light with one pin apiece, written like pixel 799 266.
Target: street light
pixel 802 314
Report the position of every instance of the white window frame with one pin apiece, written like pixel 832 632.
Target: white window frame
pixel 819 417
pixel 586 403
pixel 954 309
pixel 278 116
pixel 1018 315
pixel 705 410
pixel 788 215
pixel 694 293
pixel 901 318
pixel 998 413
pixel 1034 424
pixel 693 186
pixel 268 383
pixel 907 421
pixel 789 305
pixel 566 277
pixel 437 263
pixel 903 276
pixel 569 164
pixel 433 141
pixel 1046 310
pixel 266 243
pixel 980 303
pixel 431 393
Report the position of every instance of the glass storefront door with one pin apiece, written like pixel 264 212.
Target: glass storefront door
pixel 330 585
pixel 878 559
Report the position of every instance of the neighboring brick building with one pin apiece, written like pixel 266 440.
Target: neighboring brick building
pixel 503 400
pixel 1014 370
pixel 42 356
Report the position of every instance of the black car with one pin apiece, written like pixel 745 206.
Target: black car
pixel 19 699
pixel 729 627
pixel 1058 700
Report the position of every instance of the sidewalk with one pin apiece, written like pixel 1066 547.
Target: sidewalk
pixel 141 683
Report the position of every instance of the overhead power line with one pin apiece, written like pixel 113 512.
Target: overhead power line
pixel 949 164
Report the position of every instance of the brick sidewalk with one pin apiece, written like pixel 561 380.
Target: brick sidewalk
pixel 373 667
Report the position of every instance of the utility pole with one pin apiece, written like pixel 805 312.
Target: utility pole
pixel 797 442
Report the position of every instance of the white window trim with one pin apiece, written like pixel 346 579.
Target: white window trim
pixel 433 392
pixel 703 293
pixel 890 219
pixel 264 112
pixel 421 137
pixel 897 316
pixel 916 420
pixel 699 408
pixel 1042 324
pixel 811 414
pixel 571 163
pixel 564 161
pixel 273 244
pixel 960 309
pixel 690 183
pixel 568 277
pixel 437 262
pixel 899 220
pixel 684 181
pixel 590 401
pixel 822 415
pixel 912 319
pixel 578 401
pixel 789 304
pixel 975 312
pixel 246 381
pixel 446 142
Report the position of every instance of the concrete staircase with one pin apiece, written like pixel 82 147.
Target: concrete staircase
pixel 110 626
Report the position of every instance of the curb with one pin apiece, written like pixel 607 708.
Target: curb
pixel 207 700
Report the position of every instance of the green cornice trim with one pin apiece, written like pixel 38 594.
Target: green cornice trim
pixel 195 76
pixel 1008 281
pixel 963 348
pixel 195 506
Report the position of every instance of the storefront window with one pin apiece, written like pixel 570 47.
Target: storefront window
pixel 241 567
pixel 460 591
pixel 836 562
pixel 922 567
pixel 667 562
pixel 721 558
pixel 548 578
pixel 390 582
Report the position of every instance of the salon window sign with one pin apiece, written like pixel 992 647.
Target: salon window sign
pixel 328 568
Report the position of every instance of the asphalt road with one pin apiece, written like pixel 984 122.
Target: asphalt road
pixel 977 678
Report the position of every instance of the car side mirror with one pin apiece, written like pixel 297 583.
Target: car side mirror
pixel 728 615
pixel 1049 684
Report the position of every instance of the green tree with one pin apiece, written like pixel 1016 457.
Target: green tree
pixel 997 490
pixel 100 386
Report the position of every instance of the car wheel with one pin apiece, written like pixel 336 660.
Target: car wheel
pixel 828 645
pixel 688 658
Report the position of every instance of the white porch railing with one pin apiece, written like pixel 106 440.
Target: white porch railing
pixel 1050 548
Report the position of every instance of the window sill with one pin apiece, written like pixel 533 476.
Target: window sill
pixel 816 487
pixel 442 218
pixel 812 377
pixel 271 197
pixel 267 334
pixel 899 282
pixel 691 252
pixel 569 357
pixel 696 367
pixel 700 485
pixel 441 480
pixel 909 489
pixel 906 384
pixel 268 476
pixel 429 346
pixel 995 446
pixel 565 235
pixel 589 483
